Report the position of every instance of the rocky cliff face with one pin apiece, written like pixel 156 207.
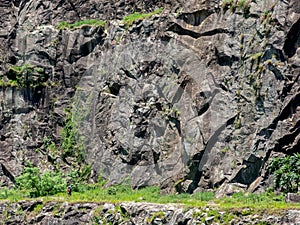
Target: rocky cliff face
pixel 37 212
pixel 197 96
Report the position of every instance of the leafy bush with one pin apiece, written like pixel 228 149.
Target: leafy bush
pixel 40 184
pixel 286 172
pixel 26 76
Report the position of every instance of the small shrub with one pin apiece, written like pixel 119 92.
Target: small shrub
pixel 286 172
pixel 38 183
pixel 26 76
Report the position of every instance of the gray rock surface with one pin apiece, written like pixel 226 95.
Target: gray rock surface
pixel 37 212
pixel 200 96
pixel 292 197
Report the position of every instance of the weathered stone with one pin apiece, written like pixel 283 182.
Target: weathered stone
pixel 229 189
pixel 199 95
pixel 107 207
pixel 292 197
pixel 136 213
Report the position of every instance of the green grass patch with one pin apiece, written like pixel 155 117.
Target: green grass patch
pixel 130 19
pixel 72 26
pixel 13 195
pixel 241 4
pixel 240 203
pixel 257 202
pixel 38 208
pixel 40 183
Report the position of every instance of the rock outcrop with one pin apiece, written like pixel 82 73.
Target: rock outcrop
pixel 37 212
pixel 198 96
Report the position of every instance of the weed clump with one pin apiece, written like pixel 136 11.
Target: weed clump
pixel 72 26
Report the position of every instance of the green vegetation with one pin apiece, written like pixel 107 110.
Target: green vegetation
pixel 263 201
pixel 72 143
pixel 50 147
pixel 256 57
pixel 161 215
pixel 204 196
pixel 25 76
pixel 237 122
pixel 225 149
pixel 70 148
pixel 286 172
pixel 227 3
pixel 38 208
pixel 34 183
pixel 72 26
pixel 13 194
pixel 78 178
pixel 122 193
pixel 2 83
pixel 38 183
pixel 231 4
pixel 130 19
pixel 243 5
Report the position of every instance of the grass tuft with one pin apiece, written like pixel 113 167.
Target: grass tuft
pixel 72 26
pixel 130 19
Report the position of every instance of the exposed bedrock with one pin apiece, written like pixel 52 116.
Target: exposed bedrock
pixel 38 212
pixel 199 96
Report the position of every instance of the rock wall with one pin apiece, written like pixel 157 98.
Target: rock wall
pixel 37 212
pixel 199 96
